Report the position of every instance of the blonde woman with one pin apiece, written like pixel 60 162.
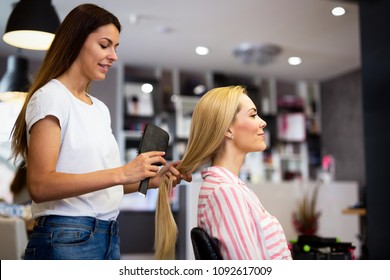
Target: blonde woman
pixel 225 127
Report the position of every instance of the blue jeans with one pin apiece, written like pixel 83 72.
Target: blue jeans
pixel 73 238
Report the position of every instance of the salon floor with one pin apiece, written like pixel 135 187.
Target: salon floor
pixel 141 256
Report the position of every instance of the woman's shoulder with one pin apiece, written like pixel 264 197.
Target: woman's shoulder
pixel 50 99
pixel 220 174
pixel 217 180
pixel 52 91
pixel 100 106
pixel 98 102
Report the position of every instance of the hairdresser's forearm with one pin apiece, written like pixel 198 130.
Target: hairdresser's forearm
pixel 131 188
pixel 56 185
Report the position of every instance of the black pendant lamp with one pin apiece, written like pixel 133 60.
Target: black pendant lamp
pixel 32 25
pixel 15 81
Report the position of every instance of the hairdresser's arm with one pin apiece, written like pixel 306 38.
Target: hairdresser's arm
pixel 46 184
pixel 168 170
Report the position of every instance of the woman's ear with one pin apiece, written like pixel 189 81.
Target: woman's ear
pixel 229 134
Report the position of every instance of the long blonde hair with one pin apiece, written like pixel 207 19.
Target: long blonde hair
pixel 211 119
pixel 65 48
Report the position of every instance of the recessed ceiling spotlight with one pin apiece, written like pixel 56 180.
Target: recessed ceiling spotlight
pixel 174 98
pixel 294 60
pixel 147 88
pixel 338 11
pixel 202 50
pixel 199 89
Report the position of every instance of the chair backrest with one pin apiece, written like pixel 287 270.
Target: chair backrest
pixel 13 238
pixel 205 247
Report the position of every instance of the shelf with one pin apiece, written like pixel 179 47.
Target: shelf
pixel 291 157
pixel 291 149
pixel 132 134
pixel 355 211
pixel 184 106
pixel 268 166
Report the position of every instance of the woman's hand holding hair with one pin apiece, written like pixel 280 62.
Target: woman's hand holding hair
pixel 145 165
pixel 171 173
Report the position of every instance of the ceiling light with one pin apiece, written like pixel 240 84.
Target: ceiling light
pixel 294 60
pixel 199 89
pixel 16 77
pixel 15 81
pixel 202 50
pixel 32 25
pixel 147 88
pixel 14 96
pixel 260 54
pixel 174 98
pixel 338 11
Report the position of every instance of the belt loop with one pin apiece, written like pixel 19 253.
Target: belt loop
pixel 40 221
pixel 96 225
pixel 114 227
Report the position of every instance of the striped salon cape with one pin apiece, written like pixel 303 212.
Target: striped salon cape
pixel 230 211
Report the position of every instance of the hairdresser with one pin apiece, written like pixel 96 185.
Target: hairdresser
pixel 75 177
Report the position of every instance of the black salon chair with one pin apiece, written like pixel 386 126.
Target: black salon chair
pixel 205 247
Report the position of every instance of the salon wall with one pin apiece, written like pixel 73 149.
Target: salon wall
pixel 375 45
pixel 106 91
pixel 342 125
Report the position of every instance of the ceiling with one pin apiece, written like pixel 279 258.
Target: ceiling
pixel 328 45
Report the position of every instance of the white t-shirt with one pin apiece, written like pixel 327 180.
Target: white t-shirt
pixel 87 145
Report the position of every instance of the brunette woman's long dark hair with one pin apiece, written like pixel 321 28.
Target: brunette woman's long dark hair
pixel 65 48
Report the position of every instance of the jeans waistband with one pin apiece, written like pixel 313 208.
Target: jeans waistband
pixel 85 221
